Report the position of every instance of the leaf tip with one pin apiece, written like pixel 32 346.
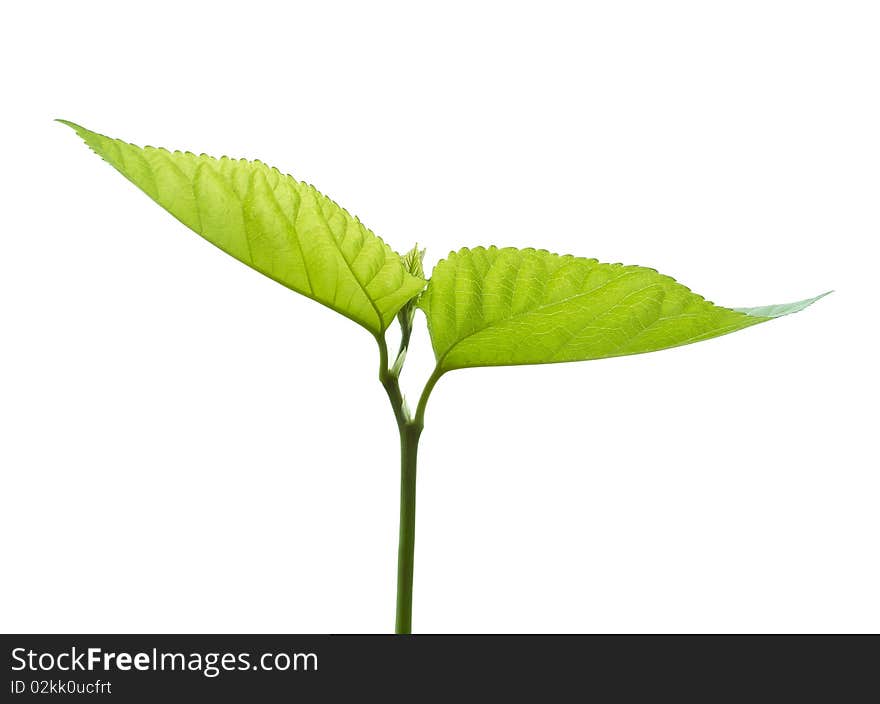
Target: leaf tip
pixel 779 310
pixel 70 124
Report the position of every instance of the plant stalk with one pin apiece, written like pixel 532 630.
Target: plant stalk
pixel 410 429
pixel 409 447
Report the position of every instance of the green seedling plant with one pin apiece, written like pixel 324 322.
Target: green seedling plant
pixel 485 306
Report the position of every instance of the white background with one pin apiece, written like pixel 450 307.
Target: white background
pixel 187 446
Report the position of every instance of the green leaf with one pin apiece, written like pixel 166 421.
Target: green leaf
pixel 279 226
pixel 493 307
pixel 413 261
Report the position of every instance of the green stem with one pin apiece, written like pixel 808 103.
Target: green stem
pixel 409 447
pixel 426 394
pixel 410 429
